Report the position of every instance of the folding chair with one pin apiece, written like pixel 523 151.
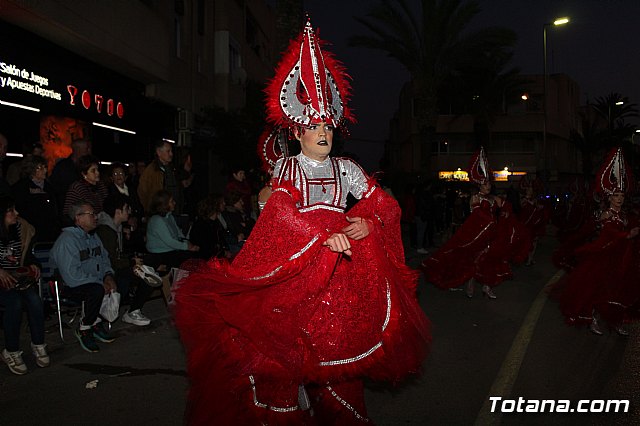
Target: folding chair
pixel 51 288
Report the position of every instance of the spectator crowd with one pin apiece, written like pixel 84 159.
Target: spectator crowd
pixel 120 227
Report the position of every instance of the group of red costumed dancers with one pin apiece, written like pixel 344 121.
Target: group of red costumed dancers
pixel 320 298
pixel 598 246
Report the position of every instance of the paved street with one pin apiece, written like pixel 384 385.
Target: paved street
pixel 515 346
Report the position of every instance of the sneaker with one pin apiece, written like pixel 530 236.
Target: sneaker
pixel 88 343
pixel 40 352
pixel 14 362
pixel 422 251
pixel 100 333
pixel 148 275
pixel 595 327
pixel 136 318
pixel 622 330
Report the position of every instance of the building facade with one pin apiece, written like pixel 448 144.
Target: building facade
pixel 163 61
pixel 515 137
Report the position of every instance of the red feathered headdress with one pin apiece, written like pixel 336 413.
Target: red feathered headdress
pixel 479 170
pixel 309 86
pixel 614 175
pixel 272 146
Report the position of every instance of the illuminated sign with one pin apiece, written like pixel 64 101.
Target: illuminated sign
pixel 454 175
pixel 503 175
pixel 22 79
pixel 461 175
pixel 14 77
pixel 98 100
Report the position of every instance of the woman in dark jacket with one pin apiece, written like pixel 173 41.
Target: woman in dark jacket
pixel 36 200
pixel 207 231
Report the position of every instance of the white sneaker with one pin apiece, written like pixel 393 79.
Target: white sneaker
pixel 136 318
pixel 14 362
pixel 40 352
pixel 148 275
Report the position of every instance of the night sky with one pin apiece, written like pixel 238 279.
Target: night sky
pixel 599 49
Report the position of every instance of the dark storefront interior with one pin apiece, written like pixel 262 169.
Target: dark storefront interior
pixel 101 96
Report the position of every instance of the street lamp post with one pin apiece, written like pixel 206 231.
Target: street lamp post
pixel 545 85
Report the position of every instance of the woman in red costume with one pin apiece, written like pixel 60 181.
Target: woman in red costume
pixel 317 299
pixel 476 252
pixel 604 284
pixel 533 213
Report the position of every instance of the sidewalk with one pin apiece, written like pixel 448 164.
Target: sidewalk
pixel 138 379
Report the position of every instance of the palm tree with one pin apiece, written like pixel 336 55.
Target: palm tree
pixel 588 141
pixel 432 44
pixel 484 90
pixel 616 109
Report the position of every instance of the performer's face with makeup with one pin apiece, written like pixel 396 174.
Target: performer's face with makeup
pixel 485 188
pixel 316 140
pixel 616 200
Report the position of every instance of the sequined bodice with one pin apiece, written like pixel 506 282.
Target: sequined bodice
pixel 323 184
pixel 619 219
pixel 487 202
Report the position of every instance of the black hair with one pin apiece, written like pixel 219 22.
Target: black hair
pixel 114 202
pixel 86 161
pixel 7 202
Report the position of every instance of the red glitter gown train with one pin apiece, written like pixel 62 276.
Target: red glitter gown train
pixel 289 312
pixel 605 278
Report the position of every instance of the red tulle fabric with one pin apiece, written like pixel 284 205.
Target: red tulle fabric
pixel 577 214
pixel 476 250
pixel 287 304
pixel 605 279
pixel 513 241
pixel 564 256
pixel 534 216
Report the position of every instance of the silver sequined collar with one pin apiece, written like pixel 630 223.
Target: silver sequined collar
pixel 311 162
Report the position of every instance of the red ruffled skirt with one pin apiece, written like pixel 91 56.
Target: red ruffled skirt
pixel 289 312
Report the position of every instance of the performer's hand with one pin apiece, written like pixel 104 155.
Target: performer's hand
pixel 633 233
pixel 499 201
pixel 358 228
pixel 339 243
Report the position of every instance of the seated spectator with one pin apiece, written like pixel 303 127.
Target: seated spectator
pixel 236 222
pixel 119 185
pixel 88 188
pixel 207 231
pixel 83 264
pixel 164 237
pixel 115 214
pixel 36 200
pixel 15 239
pixel 239 184
pixel 16 170
pixel 134 240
